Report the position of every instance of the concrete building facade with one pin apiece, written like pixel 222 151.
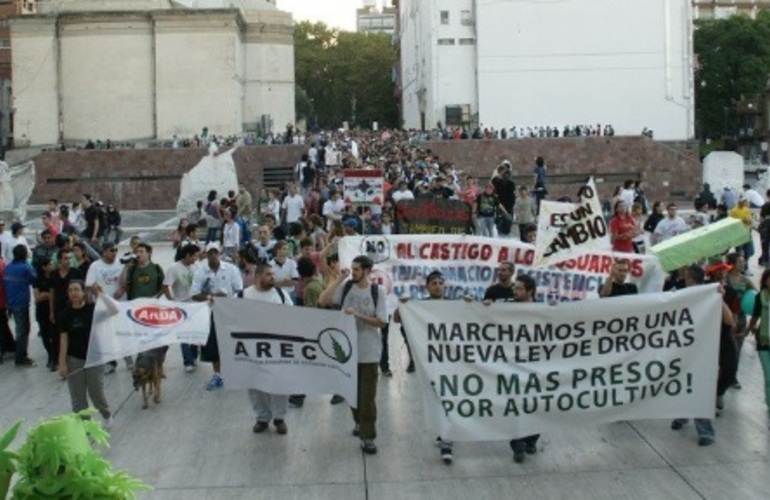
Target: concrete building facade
pixel 150 69
pixel 370 19
pixel 721 9
pixel 572 62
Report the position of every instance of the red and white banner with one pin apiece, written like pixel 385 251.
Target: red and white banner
pixel 363 187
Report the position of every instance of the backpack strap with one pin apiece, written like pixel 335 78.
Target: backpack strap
pixel 375 294
pixel 374 290
pixel 345 291
pixel 282 294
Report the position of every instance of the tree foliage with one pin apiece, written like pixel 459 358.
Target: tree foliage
pixel 733 64
pixel 344 76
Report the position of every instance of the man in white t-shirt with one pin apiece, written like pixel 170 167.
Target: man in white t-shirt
pixel 293 205
pixel 177 285
pixel 333 208
pixel 267 406
pixel 286 275
pixel 16 238
pixel 105 273
pixel 403 192
pixel 6 240
pixel 670 226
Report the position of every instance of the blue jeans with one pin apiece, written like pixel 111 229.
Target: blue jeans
pixel 486 226
pixel 118 234
pixel 211 235
pixel 702 426
pixel 21 319
pixel 189 354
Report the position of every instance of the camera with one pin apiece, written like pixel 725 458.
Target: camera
pixel 128 258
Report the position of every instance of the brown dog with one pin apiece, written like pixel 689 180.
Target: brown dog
pixel 148 372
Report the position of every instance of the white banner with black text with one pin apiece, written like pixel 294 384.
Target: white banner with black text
pixel 287 350
pixel 510 370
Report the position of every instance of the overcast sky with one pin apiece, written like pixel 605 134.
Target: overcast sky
pixel 337 13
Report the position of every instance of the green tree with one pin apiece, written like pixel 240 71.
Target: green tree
pixel 733 64
pixel 344 76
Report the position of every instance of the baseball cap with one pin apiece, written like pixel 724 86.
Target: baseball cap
pixel 212 246
pixel 350 223
pixel 16 226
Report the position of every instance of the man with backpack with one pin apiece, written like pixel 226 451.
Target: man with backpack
pixel 267 406
pixel 365 301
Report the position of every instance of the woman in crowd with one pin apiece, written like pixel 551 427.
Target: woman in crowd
pixel 41 289
pixel 656 216
pixel 637 212
pixel 623 229
pixel 736 281
pixel 179 234
pixel 762 332
pixel 231 235
pixel 523 210
pixel 75 331
pixel 80 254
pixel 213 217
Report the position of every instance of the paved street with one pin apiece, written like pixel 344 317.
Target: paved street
pixel 200 445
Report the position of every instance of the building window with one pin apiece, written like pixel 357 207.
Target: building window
pixel 5 43
pixel 446 41
pixel 466 19
pixel 444 17
pixel 467 41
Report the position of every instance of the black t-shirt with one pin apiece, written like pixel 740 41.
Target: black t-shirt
pixel 59 285
pixel 505 189
pixel 499 293
pixel 76 323
pixel 619 289
pixel 42 284
pixel 91 215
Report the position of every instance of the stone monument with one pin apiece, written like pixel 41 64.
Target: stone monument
pixel 215 171
pixel 16 185
pixel 722 169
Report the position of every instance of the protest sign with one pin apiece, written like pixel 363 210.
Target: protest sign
pixel 124 328
pixel 703 242
pixel 433 216
pixel 566 230
pixel 287 350
pixel 469 265
pixel 511 369
pixel 363 187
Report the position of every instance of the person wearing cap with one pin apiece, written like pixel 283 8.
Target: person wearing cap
pixel 367 303
pixel 670 226
pixel 213 279
pixel 18 279
pixel 742 212
pixel 351 227
pixel 16 238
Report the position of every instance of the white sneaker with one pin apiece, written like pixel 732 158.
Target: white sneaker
pixel 189 368
pixel 108 423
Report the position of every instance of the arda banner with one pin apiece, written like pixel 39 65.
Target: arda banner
pixel 510 370
pixel 433 216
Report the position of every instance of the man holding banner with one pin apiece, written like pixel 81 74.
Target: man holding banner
pixel 366 302
pixel 267 406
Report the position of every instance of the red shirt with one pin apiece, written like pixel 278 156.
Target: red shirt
pixel 622 225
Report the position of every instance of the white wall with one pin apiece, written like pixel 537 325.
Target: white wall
pixel 587 62
pixel 197 81
pixel 107 87
pixel 33 42
pixel 269 83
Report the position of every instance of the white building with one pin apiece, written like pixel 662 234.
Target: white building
pixel 506 63
pixel 146 69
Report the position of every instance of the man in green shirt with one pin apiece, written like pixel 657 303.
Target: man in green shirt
pixel 142 278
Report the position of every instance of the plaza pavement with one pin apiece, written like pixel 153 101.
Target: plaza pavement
pixel 199 445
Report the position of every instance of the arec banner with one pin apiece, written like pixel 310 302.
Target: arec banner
pixel 287 350
pixel 510 370
pixel 125 328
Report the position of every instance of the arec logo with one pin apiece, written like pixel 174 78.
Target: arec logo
pixel 157 316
